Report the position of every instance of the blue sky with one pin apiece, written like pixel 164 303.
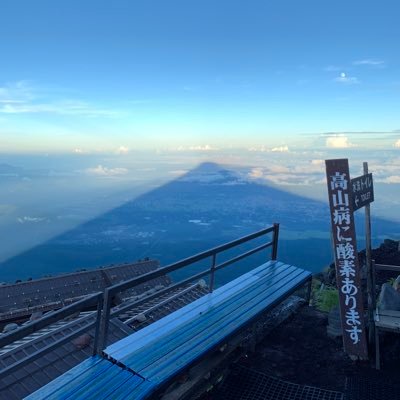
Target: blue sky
pixel 101 76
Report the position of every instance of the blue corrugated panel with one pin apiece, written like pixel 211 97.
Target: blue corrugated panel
pixel 159 351
pixel 94 379
pixel 184 344
pixel 158 329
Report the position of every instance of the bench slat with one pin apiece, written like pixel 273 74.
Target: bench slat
pixel 183 357
pixel 103 386
pixel 138 359
pixel 91 367
pixel 168 346
pixel 181 316
pixel 128 392
pixel 194 344
pixel 134 384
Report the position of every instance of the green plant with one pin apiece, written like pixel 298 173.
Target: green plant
pixel 326 298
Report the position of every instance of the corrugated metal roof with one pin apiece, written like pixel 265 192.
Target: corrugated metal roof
pixel 22 299
pixel 46 368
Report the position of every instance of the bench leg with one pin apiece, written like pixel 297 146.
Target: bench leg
pixel 308 294
pixel 377 350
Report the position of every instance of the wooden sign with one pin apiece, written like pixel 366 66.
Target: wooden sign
pixel 346 258
pixel 362 189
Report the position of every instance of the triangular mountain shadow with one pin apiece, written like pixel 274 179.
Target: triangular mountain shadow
pixel 207 206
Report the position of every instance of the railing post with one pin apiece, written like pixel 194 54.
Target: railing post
pixel 275 240
pixel 372 328
pixel 212 274
pixel 308 293
pixel 97 326
pixel 105 321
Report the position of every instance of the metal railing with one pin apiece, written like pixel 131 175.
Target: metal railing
pixel 104 301
pixel 94 300
pixel 112 291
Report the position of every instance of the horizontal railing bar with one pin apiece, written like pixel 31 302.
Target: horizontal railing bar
pixel 161 303
pixel 44 350
pixel 53 317
pixel 387 267
pixel 183 263
pixel 244 255
pixel 165 290
pixel 188 280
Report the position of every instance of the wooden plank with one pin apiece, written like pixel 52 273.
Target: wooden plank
pixel 204 324
pixel 181 316
pixel 181 358
pixel 146 347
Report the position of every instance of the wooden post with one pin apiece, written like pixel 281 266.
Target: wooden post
pixel 370 288
pixel 346 258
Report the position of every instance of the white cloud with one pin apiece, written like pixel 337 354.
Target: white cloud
pixel 302 172
pixel 349 80
pixel 122 150
pixel 317 162
pixel 256 173
pixel 23 220
pixel 205 147
pixel 277 149
pixel 16 92
pixel 261 148
pixel 390 179
pixel 370 62
pixel 397 144
pixel 104 171
pixel 68 107
pixel 179 172
pixel 280 149
pixel 338 141
pixel 22 98
pixel 332 68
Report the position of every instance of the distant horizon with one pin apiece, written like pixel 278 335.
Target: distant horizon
pixel 107 77
pixel 102 101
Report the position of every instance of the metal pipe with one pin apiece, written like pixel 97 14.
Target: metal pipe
pixel 114 312
pixel 387 267
pixel 55 316
pixel 244 255
pixel 275 241
pixel 165 301
pixel 187 261
pixel 44 350
pixel 212 274
pixel 97 328
pixel 104 322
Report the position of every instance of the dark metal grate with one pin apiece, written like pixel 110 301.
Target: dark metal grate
pixel 247 384
pixel 371 388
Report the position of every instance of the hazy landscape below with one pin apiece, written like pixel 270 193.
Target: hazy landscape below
pixel 60 214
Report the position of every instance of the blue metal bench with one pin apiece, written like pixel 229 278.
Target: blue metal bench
pixel 140 364
pixel 95 378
